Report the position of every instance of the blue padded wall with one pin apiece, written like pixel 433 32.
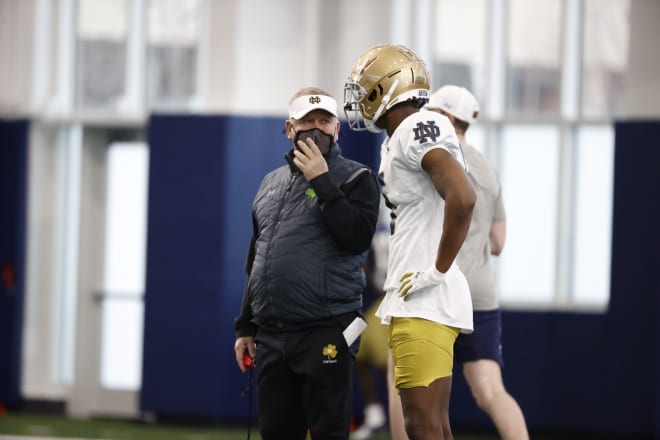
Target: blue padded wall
pixel 13 181
pixel 203 170
pixel 633 323
pixel 204 173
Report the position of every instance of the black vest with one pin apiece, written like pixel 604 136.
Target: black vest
pixel 299 273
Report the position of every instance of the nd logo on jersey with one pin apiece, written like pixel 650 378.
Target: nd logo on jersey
pixel 425 131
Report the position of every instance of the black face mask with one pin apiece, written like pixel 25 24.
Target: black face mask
pixel 322 140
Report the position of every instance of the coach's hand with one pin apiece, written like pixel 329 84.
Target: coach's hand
pixel 309 160
pixel 411 282
pixel 242 346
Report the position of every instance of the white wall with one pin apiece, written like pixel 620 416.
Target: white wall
pixel 17 20
pixel 643 80
pixel 263 51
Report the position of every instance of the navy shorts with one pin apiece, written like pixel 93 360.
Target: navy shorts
pixel 485 342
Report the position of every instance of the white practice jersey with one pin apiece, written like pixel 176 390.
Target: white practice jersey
pixel 418 215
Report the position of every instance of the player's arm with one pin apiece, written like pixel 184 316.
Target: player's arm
pixel 452 184
pixel 497 233
pixel 497 236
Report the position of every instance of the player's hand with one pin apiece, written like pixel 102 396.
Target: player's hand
pixel 412 282
pixel 242 346
pixel 309 160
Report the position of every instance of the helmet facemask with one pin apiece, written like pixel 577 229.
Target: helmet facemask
pixel 354 93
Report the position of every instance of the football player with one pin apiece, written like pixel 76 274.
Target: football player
pixel 423 177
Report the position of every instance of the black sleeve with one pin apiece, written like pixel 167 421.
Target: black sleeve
pixel 243 325
pixel 351 210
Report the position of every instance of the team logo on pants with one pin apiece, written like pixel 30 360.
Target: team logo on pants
pixel 330 351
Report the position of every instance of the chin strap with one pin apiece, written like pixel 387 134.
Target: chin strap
pixel 385 101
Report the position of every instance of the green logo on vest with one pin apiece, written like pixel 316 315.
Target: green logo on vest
pixel 309 192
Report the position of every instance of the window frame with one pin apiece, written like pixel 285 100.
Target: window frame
pixel 495 118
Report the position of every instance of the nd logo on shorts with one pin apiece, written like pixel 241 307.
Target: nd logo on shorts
pixel 330 352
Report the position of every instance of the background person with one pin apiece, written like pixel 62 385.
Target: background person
pixel 480 353
pixel 313 221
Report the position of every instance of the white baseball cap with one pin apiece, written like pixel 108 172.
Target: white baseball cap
pixel 302 105
pixel 457 101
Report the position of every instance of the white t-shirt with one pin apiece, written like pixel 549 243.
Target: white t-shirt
pixel 418 221
pixel 474 257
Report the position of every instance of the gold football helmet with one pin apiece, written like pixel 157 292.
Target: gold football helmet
pixel 382 77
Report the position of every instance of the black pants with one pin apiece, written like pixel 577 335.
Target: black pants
pixel 304 381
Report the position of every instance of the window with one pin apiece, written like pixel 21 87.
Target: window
pixel 530 165
pixel 101 53
pixel 593 222
pixel 533 79
pixel 124 274
pixel 460 45
pixel 605 54
pixel 172 41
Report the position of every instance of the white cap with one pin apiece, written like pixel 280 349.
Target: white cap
pixel 306 103
pixel 457 101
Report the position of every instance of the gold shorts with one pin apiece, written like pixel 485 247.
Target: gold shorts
pixel 422 350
